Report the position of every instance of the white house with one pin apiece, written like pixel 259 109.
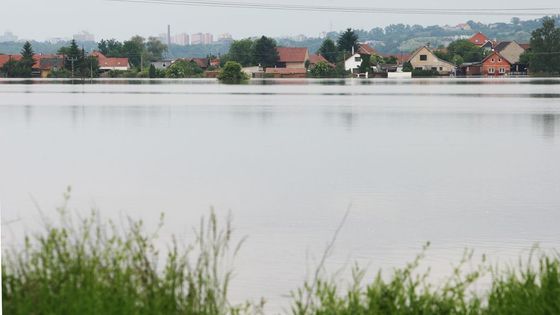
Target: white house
pixel 353 63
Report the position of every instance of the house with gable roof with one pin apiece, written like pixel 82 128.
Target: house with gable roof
pixel 44 63
pixel 512 51
pixel 424 58
pixel 292 57
pixel 111 63
pixel 479 39
pixel 493 65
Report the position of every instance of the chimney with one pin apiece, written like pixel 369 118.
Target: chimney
pixel 168 35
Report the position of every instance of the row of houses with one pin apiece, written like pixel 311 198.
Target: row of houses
pixel 46 63
pixel 503 58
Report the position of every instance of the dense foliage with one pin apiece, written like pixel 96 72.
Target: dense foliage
pixel 232 73
pixel 265 53
pixel 544 56
pixel 347 41
pixel 461 51
pixel 139 51
pixel 329 50
pixel 322 70
pixel 241 51
pixel 90 266
pixel 77 63
pixel 184 69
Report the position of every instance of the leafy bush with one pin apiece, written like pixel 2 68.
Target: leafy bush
pixel 61 73
pixel 232 73
pixel 424 73
pixel 322 70
pixel 184 69
pixel 93 267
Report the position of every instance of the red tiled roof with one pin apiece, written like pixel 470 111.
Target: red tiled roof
pixel 525 46
pixel 292 54
pixel 48 61
pixel 315 59
pixel 496 54
pixel 478 39
pixel 6 58
pixel 201 62
pixel 365 49
pixel 44 62
pixel 113 62
pixel 110 62
pixel 286 70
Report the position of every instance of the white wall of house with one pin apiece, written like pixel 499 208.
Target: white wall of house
pixel 124 68
pixel 353 63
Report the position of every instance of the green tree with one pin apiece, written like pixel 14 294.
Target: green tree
pixel 468 51
pixel 24 67
pixel 134 50
pixel 365 66
pixel 77 63
pixel 328 50
pixel 111 48
pixel 155 49
pixel 348 41
pixel 407 67
pixel 152 72
pixel 89 67
pixel 232 73
pixel 392 60
pixel 241 51
pixel 183 69
pixel 322 70
pixel 265 52
pixel 10 68
pixel 544 55
pixel 71 53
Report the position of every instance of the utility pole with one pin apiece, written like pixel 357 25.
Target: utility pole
pixel 72 60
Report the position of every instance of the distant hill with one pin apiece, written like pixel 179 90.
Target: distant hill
pixel 393 39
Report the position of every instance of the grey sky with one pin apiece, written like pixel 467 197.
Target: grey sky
pixel 39 19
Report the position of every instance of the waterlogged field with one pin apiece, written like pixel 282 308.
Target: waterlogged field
pixel 460 163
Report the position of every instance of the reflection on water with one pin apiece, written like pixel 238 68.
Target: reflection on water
pixel 548 124
pixel 418 160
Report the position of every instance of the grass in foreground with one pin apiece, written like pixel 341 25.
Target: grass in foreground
pixel 93 267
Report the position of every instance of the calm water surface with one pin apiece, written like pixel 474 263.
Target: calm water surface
pixel 460 163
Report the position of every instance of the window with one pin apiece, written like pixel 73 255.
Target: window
pixel 491 70
pixel 357 59
pixel 493 60
pixel 499 59
pixel 434 68
pixel 502 70
pixel 440 68
pixel 418 68
pixel 423 57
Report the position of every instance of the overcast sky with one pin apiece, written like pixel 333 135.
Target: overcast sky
pixel 40 19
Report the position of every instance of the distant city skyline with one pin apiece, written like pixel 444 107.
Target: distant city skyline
pixel 121 20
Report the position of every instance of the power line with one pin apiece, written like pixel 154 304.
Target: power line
pixel 343 9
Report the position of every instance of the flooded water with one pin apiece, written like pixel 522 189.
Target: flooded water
pixel 461 163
